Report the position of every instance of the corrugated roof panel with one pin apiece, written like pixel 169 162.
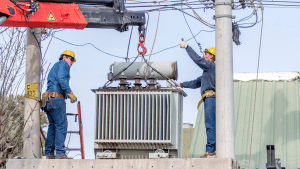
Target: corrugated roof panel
pixel 276 122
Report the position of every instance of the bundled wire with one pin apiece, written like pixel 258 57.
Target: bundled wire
pixel 247 17
pixel 158 72
pixel 212 27
pixel 199 45
pixel 252 24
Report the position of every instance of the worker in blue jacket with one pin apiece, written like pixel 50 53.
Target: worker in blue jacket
pixel 208 87
pixel 53 103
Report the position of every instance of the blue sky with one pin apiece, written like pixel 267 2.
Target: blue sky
pixel 279 52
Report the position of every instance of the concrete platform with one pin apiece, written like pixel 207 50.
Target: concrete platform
pixel 185 163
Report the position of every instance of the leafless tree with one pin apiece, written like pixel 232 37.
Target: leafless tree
pixel 12 73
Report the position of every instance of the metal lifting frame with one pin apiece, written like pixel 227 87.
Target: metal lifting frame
pixel 78 14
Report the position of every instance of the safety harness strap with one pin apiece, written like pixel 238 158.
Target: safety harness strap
pixel 208 93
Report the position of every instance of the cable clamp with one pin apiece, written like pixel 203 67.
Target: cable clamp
pixel 224 15
pixel 223 3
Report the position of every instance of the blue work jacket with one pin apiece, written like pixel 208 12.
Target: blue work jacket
pixel 58 78
pixel 207 80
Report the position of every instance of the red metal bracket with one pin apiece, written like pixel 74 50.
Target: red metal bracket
pixel 141 44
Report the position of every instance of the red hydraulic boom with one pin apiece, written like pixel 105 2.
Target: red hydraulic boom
pixel 72 14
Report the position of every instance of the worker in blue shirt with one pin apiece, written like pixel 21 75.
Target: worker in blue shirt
pixel 208 84
pixel 53 103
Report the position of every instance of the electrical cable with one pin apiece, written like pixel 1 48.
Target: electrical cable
pixel 21 31
pixel 146 30
pixel 49 43
pixel 153 40
pixel 162 75
pixel 127 59
pixel 198 15
pixel 17 5
pixel 149 1
pixel 88 44
pixel 178 44
pixel 199 45
pixel 247 17
pixel 131 57
pixel 250 25
pixel 194 17
pixel 262 23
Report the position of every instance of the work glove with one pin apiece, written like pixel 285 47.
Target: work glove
pixel 178 84
pixel 72 97
pixel 183 44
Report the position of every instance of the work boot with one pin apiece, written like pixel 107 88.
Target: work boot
pixel 62 157
pixel 50 157
pixel 209 155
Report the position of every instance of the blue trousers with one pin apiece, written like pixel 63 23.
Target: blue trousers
pixel 58 125
pixel 210 123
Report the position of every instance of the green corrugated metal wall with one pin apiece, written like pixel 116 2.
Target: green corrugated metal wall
pixel 277 117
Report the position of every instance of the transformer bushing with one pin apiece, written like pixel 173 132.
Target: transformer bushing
pixel 123 82
pixel 137 78
pixel 152 80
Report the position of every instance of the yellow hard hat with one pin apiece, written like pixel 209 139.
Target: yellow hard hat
pixel 211 50
pixel 69 53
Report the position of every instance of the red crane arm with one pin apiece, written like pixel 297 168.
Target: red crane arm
pixel 48 15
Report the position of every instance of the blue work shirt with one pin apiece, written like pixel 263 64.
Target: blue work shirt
pixel 58 78
pixel 207 80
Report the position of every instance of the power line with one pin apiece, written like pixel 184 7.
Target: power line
pixel 127 59
pixel 194 17
pixel 153 40
pixel 178 44
pixel 250 25
pixel 120 56
pixel 191 31
pixel 86 45
pixel 262 23
pixel 247 17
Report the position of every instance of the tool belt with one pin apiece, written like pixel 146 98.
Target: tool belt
pixel 52 94
pixel 208 93
pixel 47 95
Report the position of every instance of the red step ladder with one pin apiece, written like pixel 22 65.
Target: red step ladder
pixel 81 149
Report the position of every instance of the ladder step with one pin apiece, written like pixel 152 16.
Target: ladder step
pixel 73 149
pixel 76 132
pixel 71 114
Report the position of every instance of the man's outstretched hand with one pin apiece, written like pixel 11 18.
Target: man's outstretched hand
pixel 183 44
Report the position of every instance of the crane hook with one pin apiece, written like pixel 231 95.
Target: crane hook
pixel 141 44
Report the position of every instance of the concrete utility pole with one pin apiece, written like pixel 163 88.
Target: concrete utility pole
pixel 225 135
pixel 31 135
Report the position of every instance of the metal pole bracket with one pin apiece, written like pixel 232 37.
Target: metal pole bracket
pixel 223 3
pixel 224 15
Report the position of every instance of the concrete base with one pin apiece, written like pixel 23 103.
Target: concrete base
pixel 175 163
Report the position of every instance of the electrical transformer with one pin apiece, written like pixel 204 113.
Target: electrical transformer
pixel 136 122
